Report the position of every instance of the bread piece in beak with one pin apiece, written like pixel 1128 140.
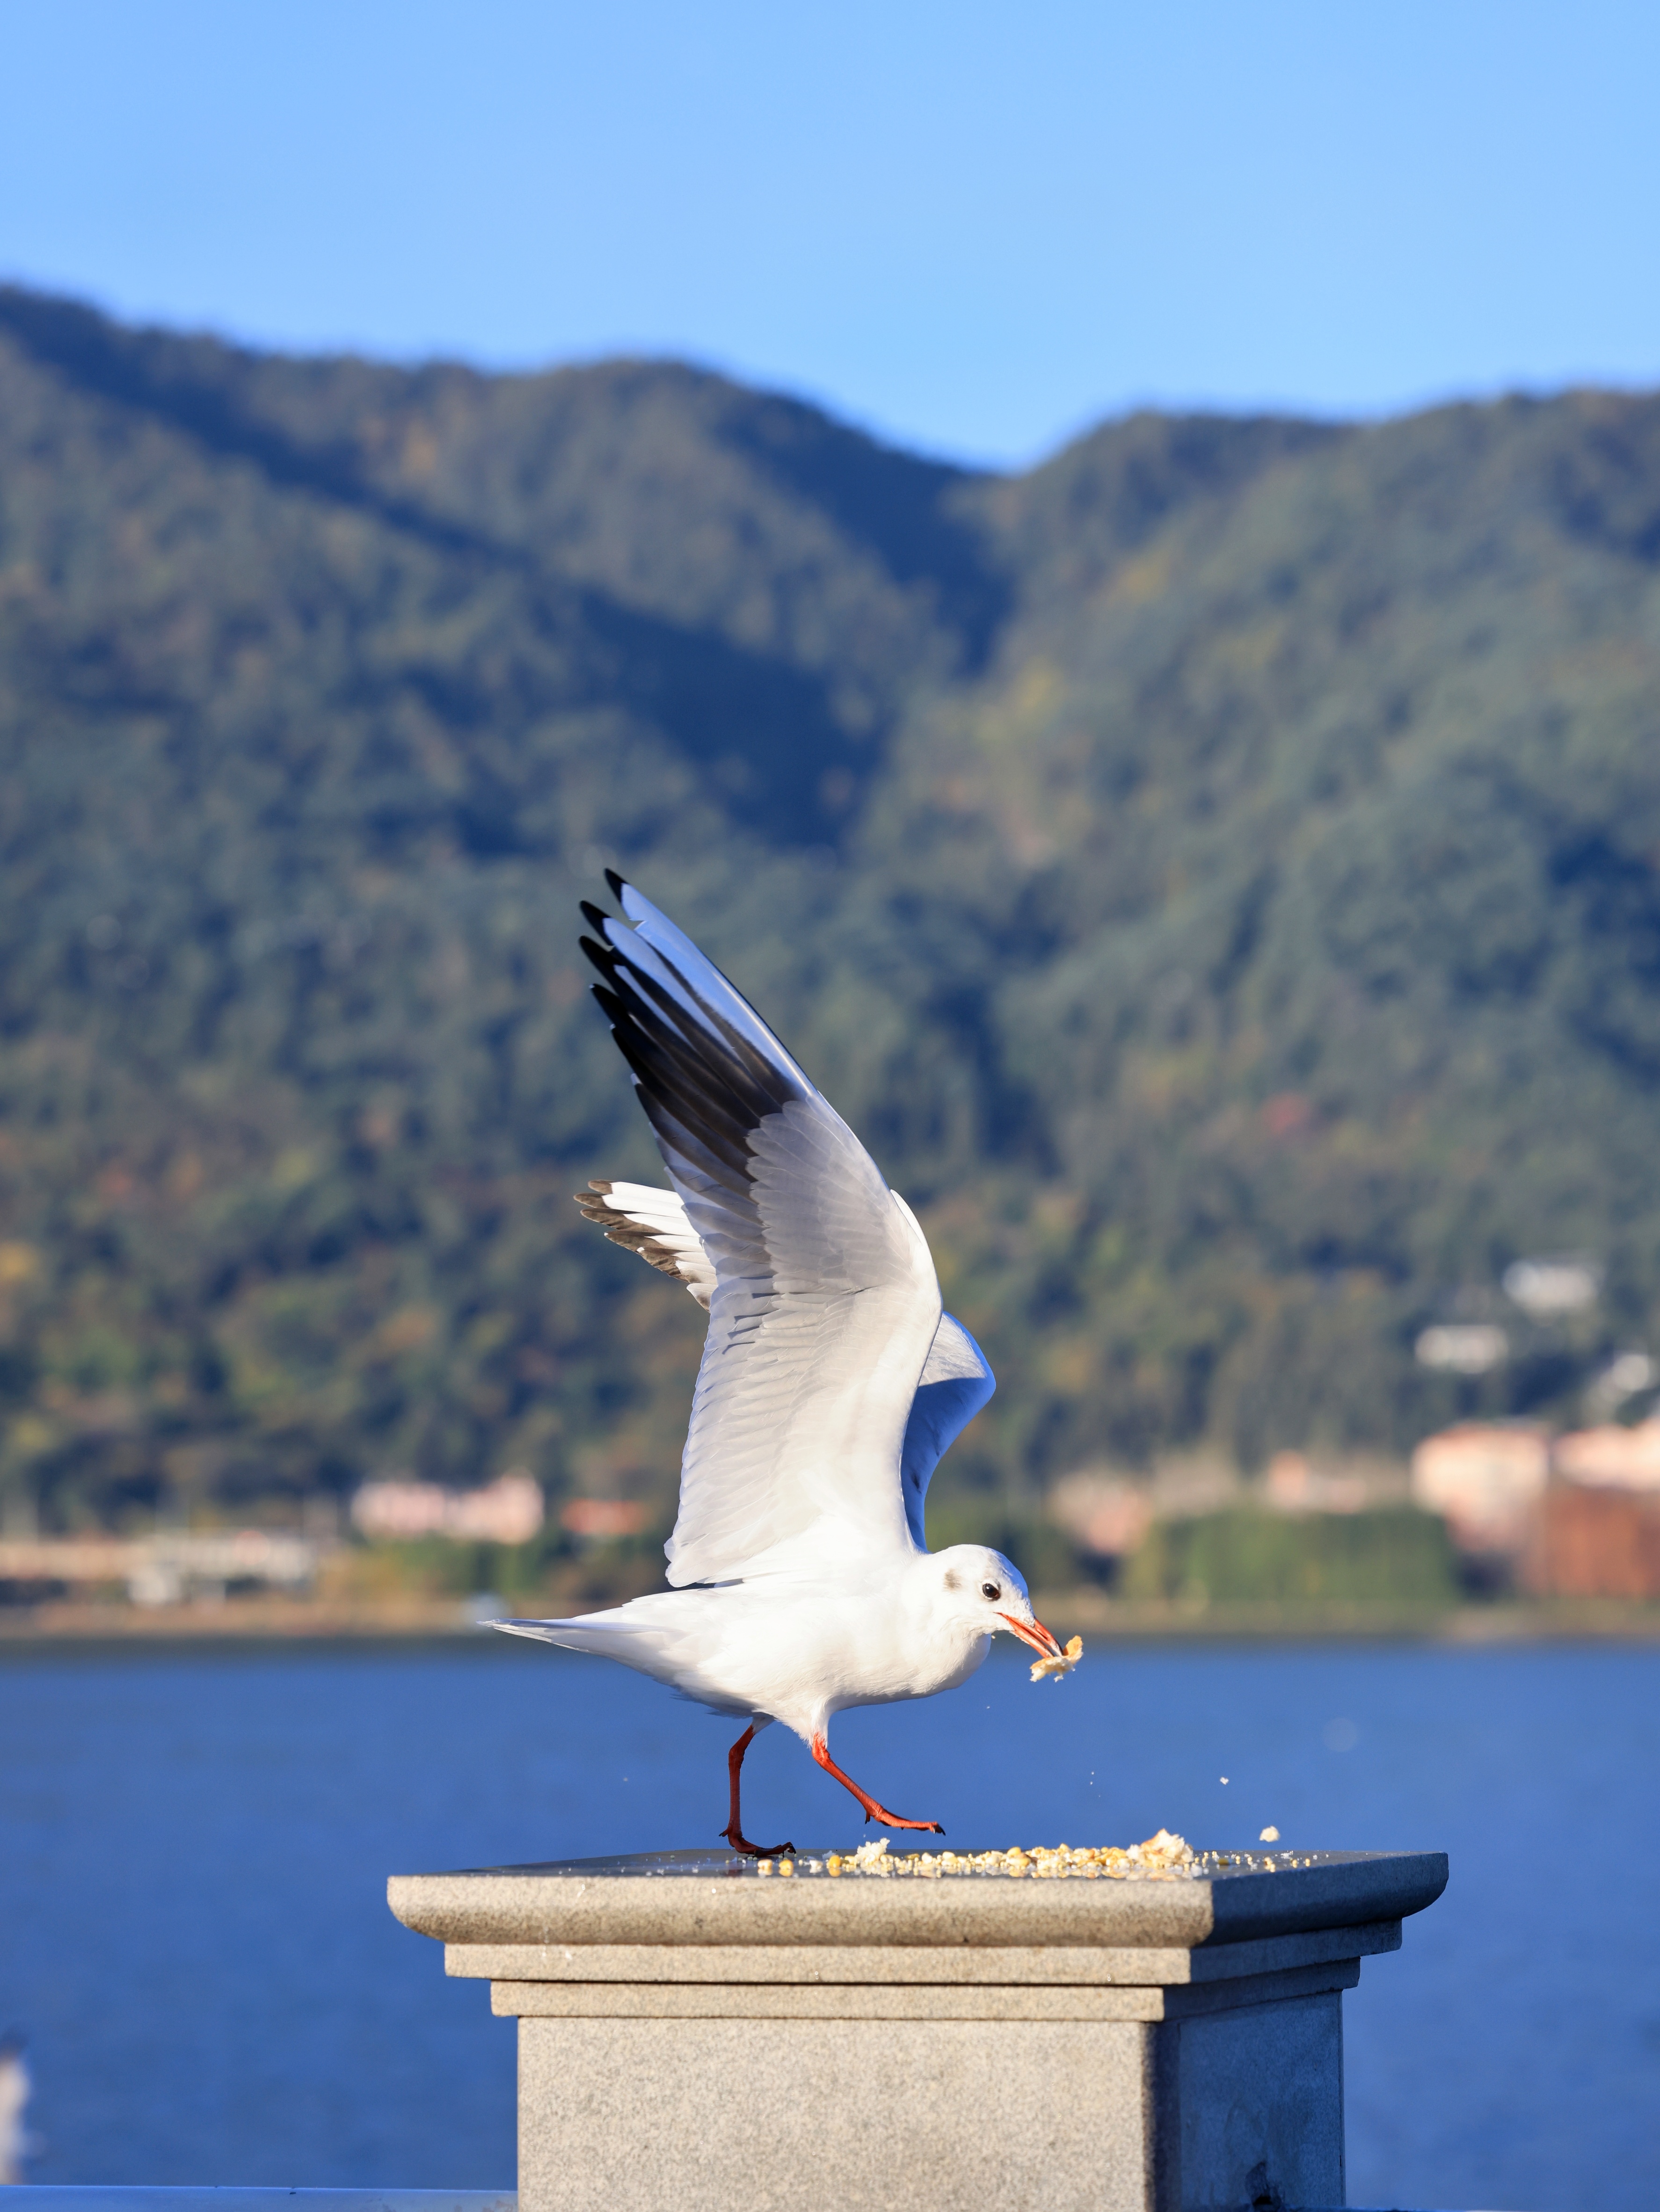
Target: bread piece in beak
pixel 1062 1663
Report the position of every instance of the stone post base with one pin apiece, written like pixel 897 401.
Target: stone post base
pixel 695 2037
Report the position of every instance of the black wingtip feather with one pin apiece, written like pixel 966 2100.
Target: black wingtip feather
pixel 697 1055
pixel 702 1083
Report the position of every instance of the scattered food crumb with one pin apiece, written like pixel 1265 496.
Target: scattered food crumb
pixel 1064 1665
pixel 1162 1857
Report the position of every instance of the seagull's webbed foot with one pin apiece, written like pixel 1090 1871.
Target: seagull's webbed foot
pixel 733 1831
pixel 740 1842
pixel 872 1810
pixel 880 1813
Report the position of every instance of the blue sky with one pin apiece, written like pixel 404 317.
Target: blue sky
pixel 973 229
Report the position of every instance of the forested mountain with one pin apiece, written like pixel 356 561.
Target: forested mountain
pixel 1217 872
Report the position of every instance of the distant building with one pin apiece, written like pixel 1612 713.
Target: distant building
pixel 509 1511
pixel 1547 1289
pixel 166 1568
pixel 602 1520
pixel 1598 1534
pixel 1626 1375
pixel 1462 1347
pixel 1578 1517
pixel 1595 1543
pixel 1105 1514
pixel 1611 1457
pixel 1486 1479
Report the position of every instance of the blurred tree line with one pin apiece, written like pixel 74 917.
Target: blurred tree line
pixel 1217 872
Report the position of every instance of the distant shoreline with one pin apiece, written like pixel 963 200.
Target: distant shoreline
pixel 258 1620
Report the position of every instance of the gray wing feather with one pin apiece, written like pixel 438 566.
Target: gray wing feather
pixel 825 1301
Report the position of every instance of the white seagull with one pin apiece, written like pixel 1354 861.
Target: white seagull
pixel 830 1386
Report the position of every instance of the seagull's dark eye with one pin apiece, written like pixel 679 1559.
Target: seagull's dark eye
pixel 990 1590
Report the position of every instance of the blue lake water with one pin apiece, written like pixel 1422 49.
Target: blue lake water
pixel 194 1845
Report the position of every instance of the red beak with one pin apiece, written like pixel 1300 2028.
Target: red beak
pixel 1038 1636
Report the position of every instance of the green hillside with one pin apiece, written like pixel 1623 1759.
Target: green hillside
pixel 1217 872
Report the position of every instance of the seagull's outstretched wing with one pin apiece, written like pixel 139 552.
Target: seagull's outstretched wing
pixel 825 1301
pixel 957 1379
pixel 654 1224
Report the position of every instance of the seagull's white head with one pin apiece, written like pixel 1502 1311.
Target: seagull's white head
pixel 982 1591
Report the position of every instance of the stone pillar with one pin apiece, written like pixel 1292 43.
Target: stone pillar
pixel 697 2035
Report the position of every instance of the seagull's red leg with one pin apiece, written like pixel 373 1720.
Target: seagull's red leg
pixel 733 1831
pixel 872 1810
